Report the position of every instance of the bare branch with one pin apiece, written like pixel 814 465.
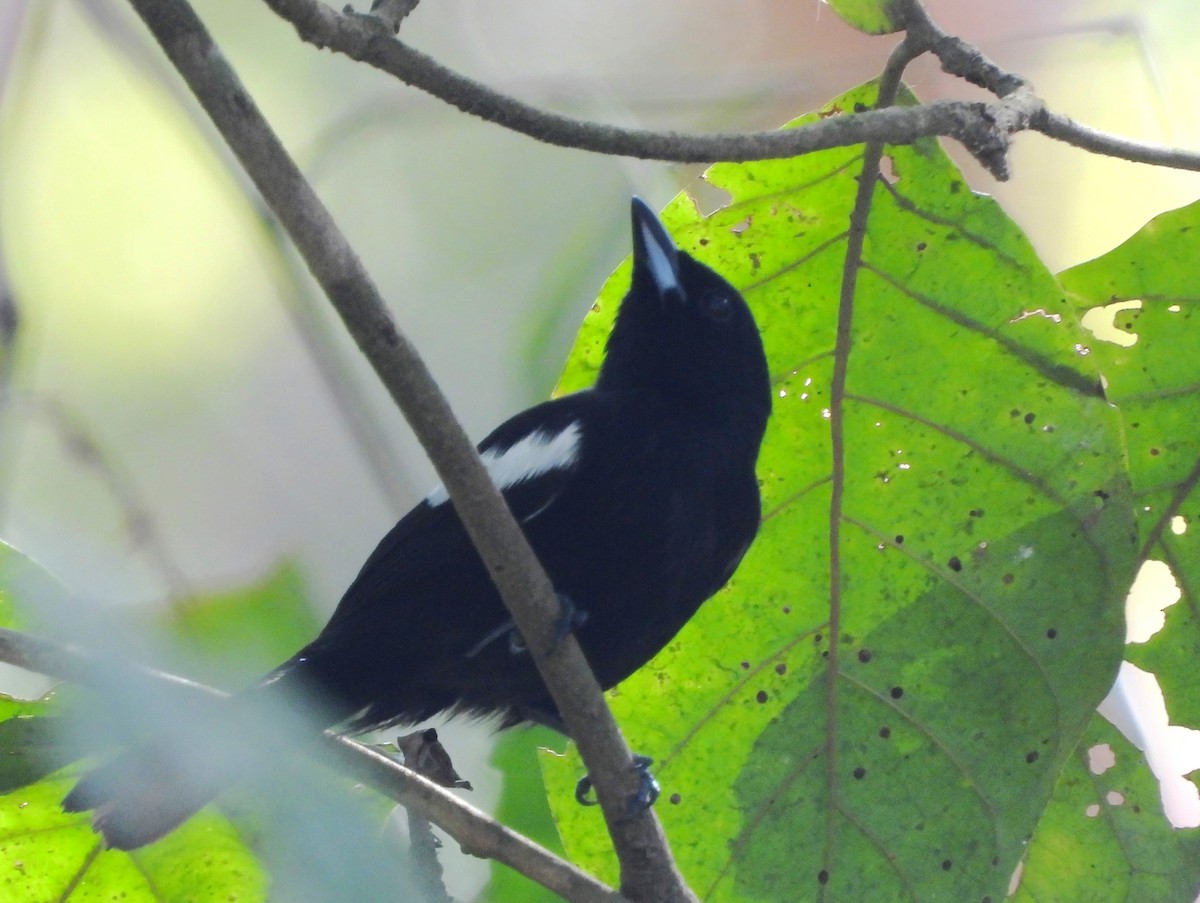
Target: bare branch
pixel 1055 125
pixel 648 871
pixel 476 831
pixel 366 39
pixel 1019 102
pixel 985 130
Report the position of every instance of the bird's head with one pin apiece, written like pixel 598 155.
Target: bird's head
pixel 683 330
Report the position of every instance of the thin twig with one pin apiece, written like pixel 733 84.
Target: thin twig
pixel 476 831
pixel 648 871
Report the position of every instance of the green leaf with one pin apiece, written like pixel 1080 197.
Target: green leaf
pixel 1154 383
pixel 1105 835
pixel 523 808
pixel 903 742
pixel 230 639
pixel 871 16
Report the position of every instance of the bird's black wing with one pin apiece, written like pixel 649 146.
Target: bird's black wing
pixel 424 559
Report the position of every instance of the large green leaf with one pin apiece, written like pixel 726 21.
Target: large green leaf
pixel 1154 382
pixel 900 739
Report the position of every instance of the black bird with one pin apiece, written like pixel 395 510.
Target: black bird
pixel 638 495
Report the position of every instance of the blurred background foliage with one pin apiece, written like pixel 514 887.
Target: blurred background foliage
pixel 182 414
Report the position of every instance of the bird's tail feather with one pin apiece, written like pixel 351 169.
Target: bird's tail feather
pixel 151 789
pixel 145 793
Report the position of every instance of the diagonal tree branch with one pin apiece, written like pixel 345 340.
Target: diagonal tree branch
pixel 476 831
pixel 647 869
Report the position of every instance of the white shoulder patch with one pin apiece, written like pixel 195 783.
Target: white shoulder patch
pixel 537 453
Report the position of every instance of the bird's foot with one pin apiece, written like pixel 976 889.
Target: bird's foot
pixel 570 619
pixel 645 797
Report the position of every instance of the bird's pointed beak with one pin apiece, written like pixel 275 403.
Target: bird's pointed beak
pixel 654 252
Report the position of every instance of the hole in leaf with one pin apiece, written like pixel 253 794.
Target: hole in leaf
pixel 1102 322
pixel 1154 591
pixel 1101 758
pixel 1172 751
pixel 708 198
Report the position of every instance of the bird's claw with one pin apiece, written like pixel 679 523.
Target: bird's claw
pixel 571 618
pixel 645 797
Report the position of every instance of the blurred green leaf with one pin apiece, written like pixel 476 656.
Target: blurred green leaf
pixel 871 16
pixel 50 855
pixel 230 639
pixel 1154 382
pixel 523 807
pixel 1104 835
pixel 905 745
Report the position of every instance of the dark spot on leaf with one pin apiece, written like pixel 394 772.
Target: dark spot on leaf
pixel 781 669
pixel 954 564
pixel 703 242
pixel 897 692
pixel 860 107
pixel 787 609
pixel 1006 579
pixel 899 539
pixel 1031 757
pixel 825 654
pixel 1101 494
pixel 860 773
pixel 864 655
pixel 822 877
pixel 921 246
pixel 745 666
pixel 1014 413
pixel 848 639
pixel 955 187
pixel 947 865
pixel 885 732
pixel 1051 633
pixel 1137 810
pixel 761 696
pixel 674 799
pixel 975 512
pixel 816 637
pixel 1029 418
pixel 995 861
pixel 1154 452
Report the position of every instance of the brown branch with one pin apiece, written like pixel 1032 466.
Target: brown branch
pixel 984 129
pixel 476 831
pixel 1023 109
pixel 647 869
pixel 366 39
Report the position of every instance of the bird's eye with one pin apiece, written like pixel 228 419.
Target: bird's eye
pixel 717 306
